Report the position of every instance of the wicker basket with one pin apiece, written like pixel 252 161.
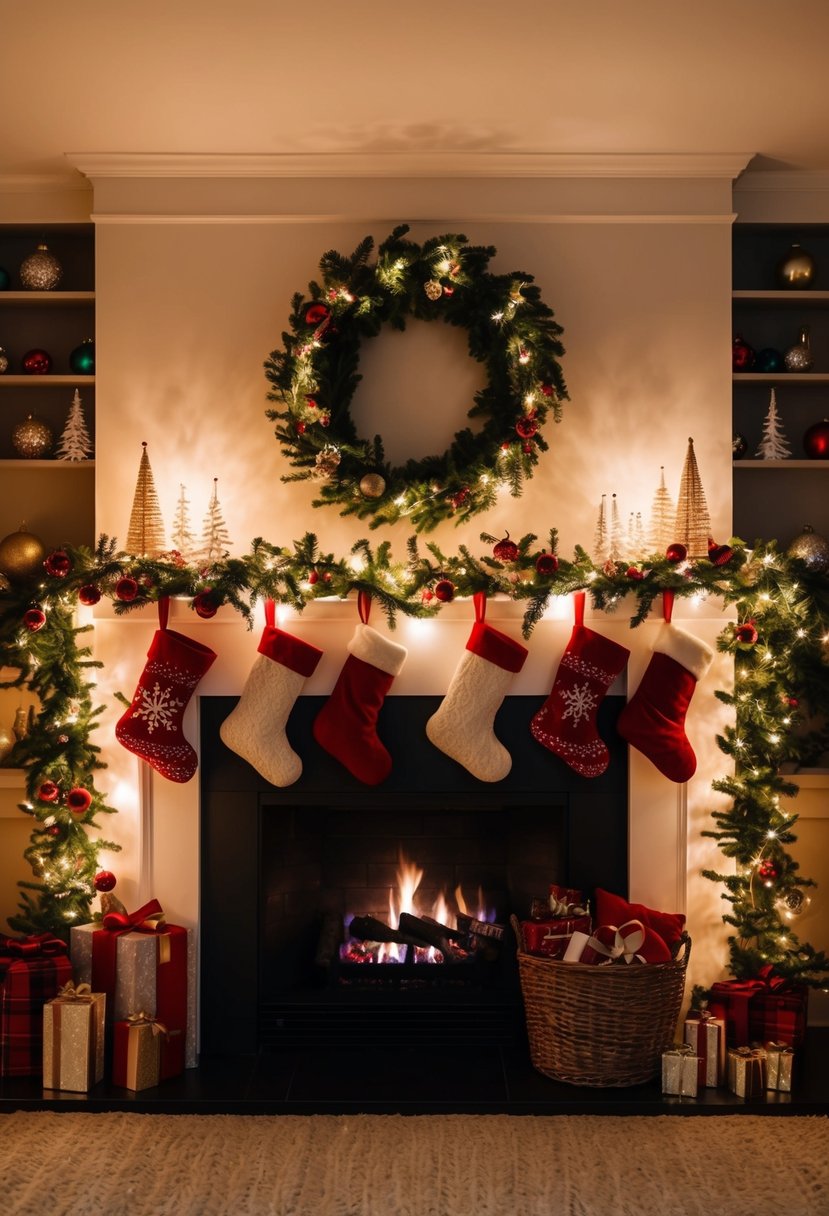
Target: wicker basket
pixel 600 1026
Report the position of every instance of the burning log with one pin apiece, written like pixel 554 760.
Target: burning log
pixel 479 928
pixel 330 939
pixel 430 933
pixel 370 929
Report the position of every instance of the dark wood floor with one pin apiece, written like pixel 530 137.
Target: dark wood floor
pixel 405 1081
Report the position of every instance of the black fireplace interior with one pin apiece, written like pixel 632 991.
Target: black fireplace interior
pixel 284 870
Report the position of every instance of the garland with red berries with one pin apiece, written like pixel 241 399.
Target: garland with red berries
pixel 511 332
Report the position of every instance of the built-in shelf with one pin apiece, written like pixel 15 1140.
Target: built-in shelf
pixel 46 297
pixel 12 779
pixel 782 464
pixel 47 464
pixel 799 299
pixel 780 378
pixel 68 381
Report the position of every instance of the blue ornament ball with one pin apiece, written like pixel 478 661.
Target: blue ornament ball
pixel 5 279
pixel 768 360
pixel 82 358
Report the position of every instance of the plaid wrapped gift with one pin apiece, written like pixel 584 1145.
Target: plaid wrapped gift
pixel 32 969
pixel 767 1007
pixel 550 938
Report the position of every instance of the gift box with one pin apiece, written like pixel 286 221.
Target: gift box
pixel 143 964
pixel 32 971
pixel 73 1039
pixel 747 1072
pixel 705 1035
pixel 680 1071
pixel 140 1045
pixel 550 938
pixel 766 1008
pixel 630 943
pixel 779 1062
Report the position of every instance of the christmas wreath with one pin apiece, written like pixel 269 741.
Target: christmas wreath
pixel 510 331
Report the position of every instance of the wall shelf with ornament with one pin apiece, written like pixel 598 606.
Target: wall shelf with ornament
pixel 39 299
pixel 786 298
pixel 799 378
pixel 77 465
pixel 50 381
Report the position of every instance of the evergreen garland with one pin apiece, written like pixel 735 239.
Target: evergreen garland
pixel 510 331
pixel 780 645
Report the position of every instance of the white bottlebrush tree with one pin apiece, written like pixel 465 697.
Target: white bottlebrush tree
pixel 75 442
pixel 774 445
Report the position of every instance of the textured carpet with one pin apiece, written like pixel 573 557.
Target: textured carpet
pixel 372 1165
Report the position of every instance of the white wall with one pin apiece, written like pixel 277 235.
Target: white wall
pixel 194 284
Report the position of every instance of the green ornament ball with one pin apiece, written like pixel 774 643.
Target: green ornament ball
pixel 82 358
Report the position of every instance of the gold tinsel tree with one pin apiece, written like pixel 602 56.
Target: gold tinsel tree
pixel 693 523
pixel 145 535
pixel 663 517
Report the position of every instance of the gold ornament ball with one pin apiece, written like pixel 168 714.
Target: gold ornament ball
pixel 372 485
pixel 797 269
pixel 21 554
pixel 812 549
pixel 41 270
pixel 433 289
pixel 32 438
pixel 4 361
pixel 5 585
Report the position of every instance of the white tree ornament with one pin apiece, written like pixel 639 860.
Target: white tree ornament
pixel 774 445
pixel 75 443
pixel 183 538
pixel 215 540
pixel 601 541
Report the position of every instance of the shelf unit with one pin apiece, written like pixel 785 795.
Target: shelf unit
pixel 766 317
pixel 39 492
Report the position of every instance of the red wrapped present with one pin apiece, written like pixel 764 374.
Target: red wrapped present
pixel 168 951
pixel 550 938
pixel 768 1007
pixel 705 1034
pixel 32 970
pixel 140 1045
pixel 632 942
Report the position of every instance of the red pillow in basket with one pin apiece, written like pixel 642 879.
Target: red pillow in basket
pixel 614 910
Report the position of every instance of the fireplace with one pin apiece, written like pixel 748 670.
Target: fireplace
pixel 284 871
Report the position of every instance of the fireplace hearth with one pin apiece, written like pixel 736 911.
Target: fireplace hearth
pixel 285 871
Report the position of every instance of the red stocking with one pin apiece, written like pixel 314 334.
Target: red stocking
pixel 654 719
pixel 151 727
pixel 346 726
pixel 566 722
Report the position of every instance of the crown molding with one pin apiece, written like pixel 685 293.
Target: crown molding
pixel 407 165
pixel 777 180
pixel 41 183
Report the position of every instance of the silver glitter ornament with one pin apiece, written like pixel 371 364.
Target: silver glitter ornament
pixel 41 270
pixel 798 358
pixel 32 438
pixel 812 549
pixel 372 485
pixel 4 361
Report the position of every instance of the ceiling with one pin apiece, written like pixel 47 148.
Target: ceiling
pixel 540 76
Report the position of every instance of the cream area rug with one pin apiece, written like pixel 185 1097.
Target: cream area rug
pixel 443 1165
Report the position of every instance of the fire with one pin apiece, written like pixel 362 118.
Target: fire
pixel 403 899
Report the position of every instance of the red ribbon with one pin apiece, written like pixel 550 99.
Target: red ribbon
pixel 149 918
pixel 34 945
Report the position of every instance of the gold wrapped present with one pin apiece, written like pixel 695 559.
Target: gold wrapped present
pixel 137 1046
pixel 73 1039
pixel 747 1072
pixel 779 1061
pixel 680 1071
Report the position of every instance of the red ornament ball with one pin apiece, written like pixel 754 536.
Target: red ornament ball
pixel 546 563
pixel 767 869
pixel 719 555
pixel 36 363
pixel 316 313
pixel 676 553
pixel 459 498
pixel 506 550
pixel 48 792
pixel 635 573
pixel 527 448
pixel 300 427
pixel 89 594
pixel 34 618
pixel 444 590
pixel 104 880
pixel 313 577
pixel 527 426
pixel 816 441
pixel 79 800
pixel 126 589
pixel 746 633
pixel 427 595
pixel 742 355
pixel 53 829
pixel 58 564
pixel 547 390
pixel 205 604
pixel 325 418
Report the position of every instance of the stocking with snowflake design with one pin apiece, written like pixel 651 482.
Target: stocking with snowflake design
pixel 566 722
pixel 653 721
pixel 255 729
pixel 346 726
pixel 463 725
pixel 152 726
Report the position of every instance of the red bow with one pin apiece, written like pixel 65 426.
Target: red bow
pixel 147 919
pixel 32 946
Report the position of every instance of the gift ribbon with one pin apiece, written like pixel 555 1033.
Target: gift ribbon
pixel 143 1019
pixel 32 946
pixel 625 946
pixel 149 918
pixel 69 992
